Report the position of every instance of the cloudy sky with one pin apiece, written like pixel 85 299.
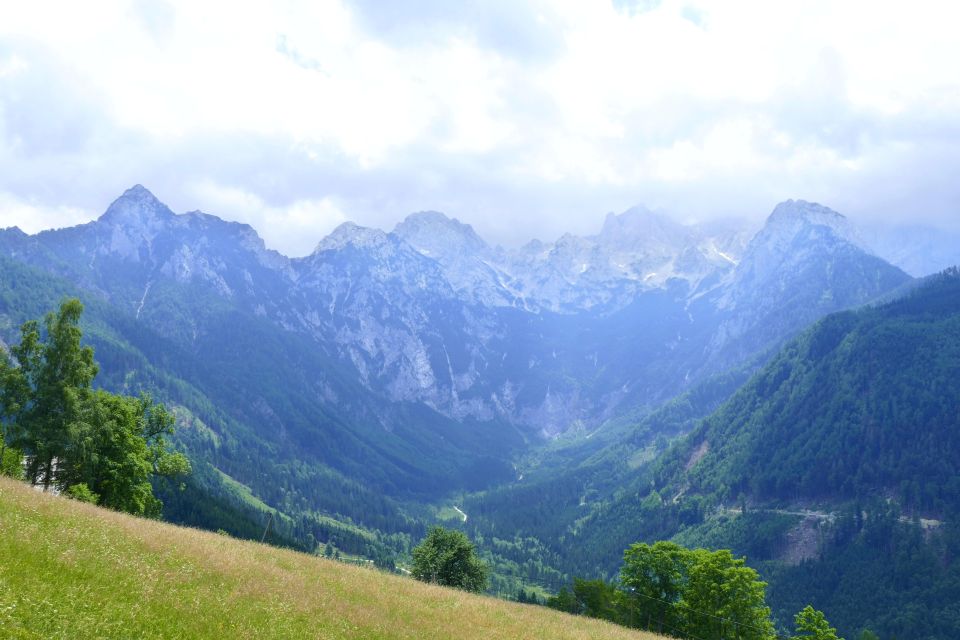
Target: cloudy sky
pixel 526 119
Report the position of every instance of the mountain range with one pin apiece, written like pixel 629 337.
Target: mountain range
pixel 430 314
pixel 356 391
pixel 430 344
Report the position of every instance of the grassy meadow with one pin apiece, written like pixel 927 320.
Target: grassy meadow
pixel 71 570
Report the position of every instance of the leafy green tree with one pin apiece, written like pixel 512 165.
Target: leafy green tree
pixel 10 458
pixel 121 447
pixel 44 396
pixel 813 625
pixel 706 594
pixel 448 557
pixel 654 577
pixel 563 601
pixel 725 597
pixel 597 599
pixel 93 445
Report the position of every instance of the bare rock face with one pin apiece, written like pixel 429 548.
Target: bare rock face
pixel 546 337
pixel 806 262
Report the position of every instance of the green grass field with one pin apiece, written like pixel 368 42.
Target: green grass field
pixel 71 570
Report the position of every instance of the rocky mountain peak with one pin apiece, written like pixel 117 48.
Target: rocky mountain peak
pixel 790 217
pixel 633 219
pixel 14 232
pixel 436 235
pixel 137 207
pixel 799 237
pixel 639 227
pixel 349 234
pixel 801 209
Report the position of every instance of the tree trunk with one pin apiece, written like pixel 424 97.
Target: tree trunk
pixel 48 474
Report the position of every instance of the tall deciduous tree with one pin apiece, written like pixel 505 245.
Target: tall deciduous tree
pixel 654 577
pixel 119 450
pixel 45 395
pixel 706 594
pixel 94 445
pixel 724 597
pixel 599 599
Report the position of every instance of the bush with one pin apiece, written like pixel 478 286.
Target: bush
pixel 448 557
pixel 82 493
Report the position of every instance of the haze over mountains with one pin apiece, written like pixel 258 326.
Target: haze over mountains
pixel 356 392
pixel 534 337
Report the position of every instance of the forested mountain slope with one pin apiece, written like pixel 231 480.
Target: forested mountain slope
pixel 835 468
pixel 250 404
pixel 866 402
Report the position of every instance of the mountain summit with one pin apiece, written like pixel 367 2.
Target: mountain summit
pixel 639 229
pixel 791 216
pixel 137 206
pixel 348 234
pixel 806 261
pixel 439 236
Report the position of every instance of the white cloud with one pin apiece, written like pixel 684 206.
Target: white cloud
pixel 33 216
pixel 560 108
pixel 296 228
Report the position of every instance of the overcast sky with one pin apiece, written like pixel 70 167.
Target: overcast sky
pixel 526 119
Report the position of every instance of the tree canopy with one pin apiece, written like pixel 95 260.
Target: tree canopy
pixel 813 625
pixel 703 593
pixel 448 557
pixel 91 444
pixel 695 593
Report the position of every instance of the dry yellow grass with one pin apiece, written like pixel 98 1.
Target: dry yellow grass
pixel 70 570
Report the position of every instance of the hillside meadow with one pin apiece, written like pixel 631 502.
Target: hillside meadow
pixel 72 570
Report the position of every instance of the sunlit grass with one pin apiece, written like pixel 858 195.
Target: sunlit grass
pixel 70 570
